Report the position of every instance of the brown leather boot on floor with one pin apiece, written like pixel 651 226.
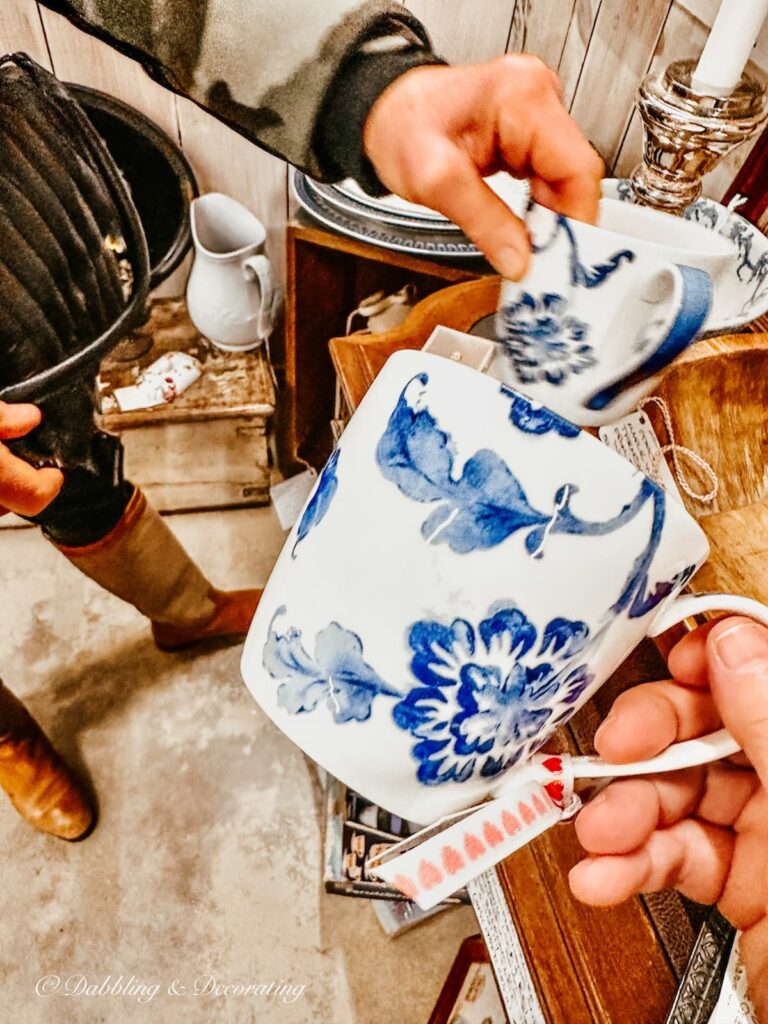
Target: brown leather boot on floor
pixel 39 784
pixel 234 611
pixel 141 561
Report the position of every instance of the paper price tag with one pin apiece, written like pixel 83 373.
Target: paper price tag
pixel 290 496
pixel 734 1005
pixel 634 438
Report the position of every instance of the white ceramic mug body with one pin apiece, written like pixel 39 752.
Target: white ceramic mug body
pixel 597 317
pixel 468 571
pixel 230 292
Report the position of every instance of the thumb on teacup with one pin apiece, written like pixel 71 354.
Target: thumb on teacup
pixel 737 652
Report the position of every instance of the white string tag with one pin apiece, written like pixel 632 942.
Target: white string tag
pixel 289 496
pixel 734 1005
pixel 633 437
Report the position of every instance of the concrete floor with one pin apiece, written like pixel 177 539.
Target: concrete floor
pixel 206 861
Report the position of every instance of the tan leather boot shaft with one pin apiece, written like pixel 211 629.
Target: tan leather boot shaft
pixel 142 562
pixel 39 784
pixel 232 618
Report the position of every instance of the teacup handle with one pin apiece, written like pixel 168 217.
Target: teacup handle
pixel 258 268
pixel 685 606
pixel 693 305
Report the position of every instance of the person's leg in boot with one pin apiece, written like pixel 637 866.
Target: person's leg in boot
pixel 107 528
pixel 37 781
pixel 141 561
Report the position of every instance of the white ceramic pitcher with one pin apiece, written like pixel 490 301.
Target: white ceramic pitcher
pixel 230 294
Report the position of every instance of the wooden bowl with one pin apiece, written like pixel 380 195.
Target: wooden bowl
pixel 717 395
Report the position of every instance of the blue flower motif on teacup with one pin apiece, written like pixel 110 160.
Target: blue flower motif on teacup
pixel 544 340
pixel 533 418
pixel 337 675
pixel 319 503
pixel 486 695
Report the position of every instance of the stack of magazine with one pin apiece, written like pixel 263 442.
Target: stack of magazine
pixel 357 830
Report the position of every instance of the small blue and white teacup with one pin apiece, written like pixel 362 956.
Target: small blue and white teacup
pixel 468 571
pixel 602 310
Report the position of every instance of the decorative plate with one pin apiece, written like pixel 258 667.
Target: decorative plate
pixel 513 191
pixel 439 244
pixel 348 206
pixel 742 293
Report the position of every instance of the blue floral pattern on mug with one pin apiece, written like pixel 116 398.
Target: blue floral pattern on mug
pixel 484 504
pixel 544 340
pixel 532 418
pixel 478 508
pixel 320 502
pixel 484 697
pixel 337 675
pixel 480 695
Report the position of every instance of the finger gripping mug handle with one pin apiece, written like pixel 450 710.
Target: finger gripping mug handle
pixel 691 310
pixel 717 744
pixel 258 268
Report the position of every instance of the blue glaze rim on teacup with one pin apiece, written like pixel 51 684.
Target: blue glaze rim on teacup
pixel 696 302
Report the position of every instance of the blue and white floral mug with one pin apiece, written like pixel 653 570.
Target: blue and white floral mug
pixel 601 312
pixel 468 571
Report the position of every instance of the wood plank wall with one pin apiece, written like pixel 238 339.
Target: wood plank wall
pixel 600 48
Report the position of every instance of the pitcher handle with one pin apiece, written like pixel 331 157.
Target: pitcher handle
pixel 259 270
pixel 693 302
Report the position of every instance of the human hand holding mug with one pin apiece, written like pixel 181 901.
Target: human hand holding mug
pixel 703 831
pixel 435 132
pixel 468 571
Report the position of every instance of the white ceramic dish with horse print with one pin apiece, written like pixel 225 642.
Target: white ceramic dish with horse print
pixel 741 295
pixel 469 569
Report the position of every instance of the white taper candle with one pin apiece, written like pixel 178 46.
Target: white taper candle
pixel 729 46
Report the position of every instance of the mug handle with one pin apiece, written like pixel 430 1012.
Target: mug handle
pixel 704 749
pixel 694 302
pixel 259 268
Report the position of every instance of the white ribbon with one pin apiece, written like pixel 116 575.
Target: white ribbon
pixel 442 858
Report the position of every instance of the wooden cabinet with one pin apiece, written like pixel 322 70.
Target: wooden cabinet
pixel 328 275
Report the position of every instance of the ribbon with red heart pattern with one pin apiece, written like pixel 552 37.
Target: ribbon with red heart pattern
pixel 437 862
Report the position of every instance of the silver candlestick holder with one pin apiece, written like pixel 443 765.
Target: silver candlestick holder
pixel 687 132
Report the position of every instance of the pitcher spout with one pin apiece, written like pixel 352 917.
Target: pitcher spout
pixel 224 229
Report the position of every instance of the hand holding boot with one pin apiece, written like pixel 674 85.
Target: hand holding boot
pixel 23 489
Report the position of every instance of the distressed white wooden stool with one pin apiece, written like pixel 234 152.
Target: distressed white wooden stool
pixel 208 448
